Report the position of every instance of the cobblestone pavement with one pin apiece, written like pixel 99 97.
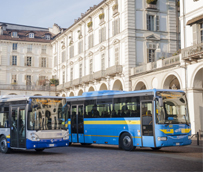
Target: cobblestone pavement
pixel 105 158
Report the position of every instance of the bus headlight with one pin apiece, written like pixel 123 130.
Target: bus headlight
pixel 189 137
pixel 34 137
pixel 66 136
pixel 162 138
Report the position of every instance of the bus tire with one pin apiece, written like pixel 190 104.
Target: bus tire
pixel 85 144
pixel 3 145
pixel 39 150
pixel 70 143
pixel 158 148
pixel 126 142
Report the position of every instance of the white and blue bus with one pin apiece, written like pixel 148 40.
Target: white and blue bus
pixel 33 123
pixel 146 118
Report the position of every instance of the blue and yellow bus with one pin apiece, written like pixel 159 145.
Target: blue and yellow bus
pixel 31 122
pixel 146 118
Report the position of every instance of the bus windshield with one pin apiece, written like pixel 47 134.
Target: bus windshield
pixel 47 114
pixel 174 110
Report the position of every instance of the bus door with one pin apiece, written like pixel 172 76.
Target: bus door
pixel 147 123
pixel 18 126
pixel 77 123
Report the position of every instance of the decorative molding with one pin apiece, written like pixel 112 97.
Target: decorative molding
pixel 63 67
pixel 90 54
pixel 152 37
pixel 71 63
pixel 102 48
pixel 80 59
pixel 116 41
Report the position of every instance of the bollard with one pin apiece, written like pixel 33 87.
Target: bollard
pixel 198 138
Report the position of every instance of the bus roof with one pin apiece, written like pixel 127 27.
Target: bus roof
pixel 18 97
pixel 116 92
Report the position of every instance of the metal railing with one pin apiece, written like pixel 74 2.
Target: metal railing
pixel 195 51
pixel 27 87
pixel 152 6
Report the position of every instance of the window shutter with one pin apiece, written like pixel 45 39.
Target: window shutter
pixel 147 22
pixel 18 61
pixel 81 46
pixel 0 59
pixel 92 40
pixel 89 42
pixel 32 61
pixel 147 55
pixel 194 28
pixel 113 29
pixel 78 47
pixel 157 23
pixel 40 62
pixel 47 62
pixel 11 60
pixel 25 61
pixel 118 25
pixel 31 79
pixel 25 77
pixel 100 35
pixel 104 34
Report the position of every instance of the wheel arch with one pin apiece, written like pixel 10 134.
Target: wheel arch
pixel 122 132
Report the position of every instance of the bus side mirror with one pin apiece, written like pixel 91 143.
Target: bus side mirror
pixel 161 104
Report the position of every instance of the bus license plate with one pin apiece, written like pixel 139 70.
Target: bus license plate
pixel 177 144
pixel 51 145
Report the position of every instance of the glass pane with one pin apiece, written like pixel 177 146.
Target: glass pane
pixel 80 119
pixel 147 123
pixel 14 128
pixel 74 120
pixel 21 134
pixel 4 123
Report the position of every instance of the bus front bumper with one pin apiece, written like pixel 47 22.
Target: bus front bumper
pixel 46 143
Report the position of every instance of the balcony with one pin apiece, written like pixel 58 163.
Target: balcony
pixel 112 71
pixel 151 6
pixel 192 53
pixel 98 75
pixel 150 67
pixel 27 87
pixel 60 87
pixel 77 82
pixel 87 78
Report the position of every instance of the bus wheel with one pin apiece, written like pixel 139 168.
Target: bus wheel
pixel 70 143
pixel 156 149
pixel 3 145
pixel 126 142
pixel 39 150
pixel 85 144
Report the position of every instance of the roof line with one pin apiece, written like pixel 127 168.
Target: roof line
pixel 24 25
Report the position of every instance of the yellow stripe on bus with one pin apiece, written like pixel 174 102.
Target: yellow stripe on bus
pixel 8 137
pixel 136 137
pixel 185 130
pixel 168 131
pixel 112 122
pixel 69 122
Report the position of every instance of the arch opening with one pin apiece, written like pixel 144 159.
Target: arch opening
pixel 171 82
pixel 71 94
pixel 140 86
pixel 118 85
pixel 91 89
pixel 103 87
pixel 80 93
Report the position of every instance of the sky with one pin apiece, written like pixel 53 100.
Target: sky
pixel 44 13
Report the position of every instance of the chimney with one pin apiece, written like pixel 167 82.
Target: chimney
pixel 2 28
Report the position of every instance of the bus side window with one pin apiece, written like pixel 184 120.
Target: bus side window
pixel 4 122
pixel 90 106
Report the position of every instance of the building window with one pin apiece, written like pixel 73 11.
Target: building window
pixel 14 60
pixel 201 32
pixel 28 79
pixel 117 55
pixel 29 61
pixel 151 53
pixel 80 73
pixel 102 35
pixel 91 41
pixel 152 22
pixel 31 35
pixel 43 62
pixel 91 66
pixel 71 52
pixel 71 74
pixel 14 34
pixel 13 79
pixel 80 47
pixel 55 61
pixel 42 80
pixel 44 49
pixel 47 37
pixel 103 62
pixel 63 77
pixel 116 26
pixel 29 48
pixel 15 46
pixel 63 56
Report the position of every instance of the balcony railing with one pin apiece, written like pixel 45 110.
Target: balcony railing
pixel 77 82
pixel 87 78
pixel 112 71
pixel 99 75
pixel 175 60
pixel 194 52
pixel 27 87
pixel 152 6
